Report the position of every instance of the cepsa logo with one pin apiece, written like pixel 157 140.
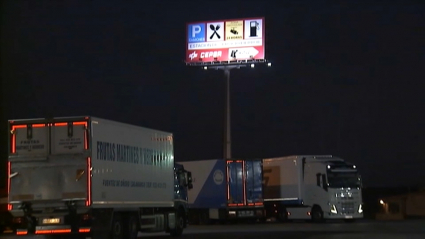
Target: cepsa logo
pixel 196 33
pixel 205 55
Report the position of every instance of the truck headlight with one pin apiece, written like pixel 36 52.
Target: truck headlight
pixel 333 209
pixel 360 209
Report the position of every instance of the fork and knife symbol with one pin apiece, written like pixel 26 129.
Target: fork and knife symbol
pixel 215 29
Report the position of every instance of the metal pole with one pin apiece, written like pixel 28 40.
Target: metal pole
pixel 227 135
pixel 227 141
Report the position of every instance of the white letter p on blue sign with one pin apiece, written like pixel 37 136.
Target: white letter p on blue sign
pixel 195 30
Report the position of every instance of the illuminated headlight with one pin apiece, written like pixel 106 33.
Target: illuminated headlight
pixel 360 208
pixel 333 209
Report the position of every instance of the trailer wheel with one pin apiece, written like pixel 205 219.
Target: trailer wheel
pixel 205 218
pixel 316 214
pixel 117 227
pixel 179 224
pixel 283 215
pixel 132 227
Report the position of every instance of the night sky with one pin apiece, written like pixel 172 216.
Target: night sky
pixel 346 77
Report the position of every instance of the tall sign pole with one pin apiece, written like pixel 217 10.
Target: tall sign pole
pixel 226 45
pixel 227 151
pixel 227 145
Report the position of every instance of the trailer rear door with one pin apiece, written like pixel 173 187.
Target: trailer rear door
pixel 29 140
pixel 69 137
pixel 254 179
pixel 48 160
pixel 236 183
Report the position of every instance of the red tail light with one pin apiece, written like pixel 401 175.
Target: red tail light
pixel 88 201
pixel 9 165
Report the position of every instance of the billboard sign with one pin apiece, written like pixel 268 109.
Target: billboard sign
pixel 225 41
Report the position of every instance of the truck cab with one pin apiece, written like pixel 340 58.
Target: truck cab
pixel 182 183
pixel 312 187
pixel 332 188
pixel 343 186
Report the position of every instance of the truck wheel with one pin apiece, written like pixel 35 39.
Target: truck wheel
pixel 205 218
pixel 179 224
pixel 283 215
pixel 132 227
pixel 317 214
pixel 117 227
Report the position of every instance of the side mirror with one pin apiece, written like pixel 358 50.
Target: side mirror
pixel 325 182
pixel 325 186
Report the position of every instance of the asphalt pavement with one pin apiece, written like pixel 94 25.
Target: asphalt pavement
pixel 365 229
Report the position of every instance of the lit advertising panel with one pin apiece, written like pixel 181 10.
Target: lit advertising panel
pixel 225 41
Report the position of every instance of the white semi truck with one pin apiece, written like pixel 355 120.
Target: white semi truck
pixel 311 187
pixel 91 177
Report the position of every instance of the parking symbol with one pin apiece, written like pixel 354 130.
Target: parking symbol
pixel 196 33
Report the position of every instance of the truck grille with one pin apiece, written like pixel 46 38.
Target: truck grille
pixel 347 208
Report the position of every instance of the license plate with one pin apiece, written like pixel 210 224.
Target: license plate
pixel 246 213
pixel 348 217
pixel 51 220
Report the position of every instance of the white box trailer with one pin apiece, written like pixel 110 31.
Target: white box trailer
pixel 92 176
pixel 312 187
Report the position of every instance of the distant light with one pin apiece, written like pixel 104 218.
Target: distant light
pixel 252 65
pixel 329 166
pixel 381 202
pixel 205 68
pixel 269 64
pixel 354 166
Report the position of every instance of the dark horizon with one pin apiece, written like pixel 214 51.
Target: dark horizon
pixel 345 78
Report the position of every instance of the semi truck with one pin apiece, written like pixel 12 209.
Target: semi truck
pixel 92 177
pixel 225 190
pixel 311 187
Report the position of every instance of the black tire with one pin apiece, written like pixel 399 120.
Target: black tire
pixel 316 214
pixel 283 215
pixel 132 227
pixel 180 220
pixel 117 227
pixel 205 218
pixel 262 219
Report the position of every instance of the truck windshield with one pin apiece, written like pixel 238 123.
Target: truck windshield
pixel 344 179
